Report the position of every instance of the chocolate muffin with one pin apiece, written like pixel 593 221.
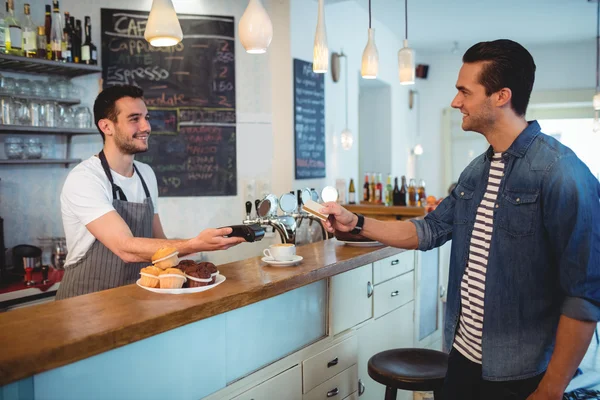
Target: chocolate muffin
pixel 184 264
pixel 197 272
pixel 213 271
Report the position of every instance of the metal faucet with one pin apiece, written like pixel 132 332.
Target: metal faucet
pixel 285 225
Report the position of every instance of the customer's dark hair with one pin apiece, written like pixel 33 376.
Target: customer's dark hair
pixel 104 106
pixel 508 65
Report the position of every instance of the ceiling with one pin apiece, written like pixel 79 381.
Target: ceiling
pixel 435 24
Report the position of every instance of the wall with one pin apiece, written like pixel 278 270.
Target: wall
pixel 374 113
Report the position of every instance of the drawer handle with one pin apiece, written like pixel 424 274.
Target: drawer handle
pixel 395 262
pixel 369 289
pixel 395 293
pixel 333 392
pixel 332 362
pixel 361 388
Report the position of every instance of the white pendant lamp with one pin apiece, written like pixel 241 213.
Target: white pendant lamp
pixel 406 56
pixel 596 100
pixel 162 28
pixel 255 28
pixel 320 51
pixel 370 57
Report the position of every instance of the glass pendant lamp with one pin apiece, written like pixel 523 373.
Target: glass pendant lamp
pixel 320 51
pixel 255 28
pixel 163 28
pixel 406 56
pixel 370 57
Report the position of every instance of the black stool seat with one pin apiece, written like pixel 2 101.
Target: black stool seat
pixel 409 369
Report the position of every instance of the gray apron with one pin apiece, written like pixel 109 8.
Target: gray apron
pixel 100 268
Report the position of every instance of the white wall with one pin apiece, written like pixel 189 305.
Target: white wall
pixel 375 121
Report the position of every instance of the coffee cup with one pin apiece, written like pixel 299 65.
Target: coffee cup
pixel 281 252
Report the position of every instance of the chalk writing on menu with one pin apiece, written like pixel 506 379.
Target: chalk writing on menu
pixel 309 121
pixel 189 89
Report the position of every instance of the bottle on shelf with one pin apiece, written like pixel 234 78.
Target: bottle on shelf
pixel 56 33
pixel 41 43
pixel 352 192
pixel 372 198
pixel 29 34
pixel 3 29
pixel 88 49
pixel 421 193
pixel 67 45
pixel 403 192
pixel 75 40
pixel 379 189
pixel 48 31
pixel 396 193
pixel 366 188
pixel 412 193
pixel 14 39
pixel 389 199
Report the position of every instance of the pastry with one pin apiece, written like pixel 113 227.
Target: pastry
pixel 165 257
pixel 171 278
pixel 199 275
pixel 183 264
pixel 213 271
pixel 149 276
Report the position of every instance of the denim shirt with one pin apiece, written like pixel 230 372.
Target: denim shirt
pixel 544 256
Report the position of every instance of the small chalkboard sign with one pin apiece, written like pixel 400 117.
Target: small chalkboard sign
pixel 189 89
pixel 309 121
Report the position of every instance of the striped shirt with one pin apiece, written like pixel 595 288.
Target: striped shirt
pixel 472 287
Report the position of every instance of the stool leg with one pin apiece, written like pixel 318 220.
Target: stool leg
pixel 390 393
pixel 437 394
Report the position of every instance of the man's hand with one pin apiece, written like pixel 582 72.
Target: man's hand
pixel 212 239
pixel 339 218
pixel 542 393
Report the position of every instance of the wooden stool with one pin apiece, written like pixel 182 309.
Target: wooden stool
pixel 409 369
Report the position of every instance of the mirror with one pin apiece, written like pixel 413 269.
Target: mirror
pixel 274 203
pixel 314 195
pixel 329 193
pixel 288 203
pixel 264 207
pixel 306 195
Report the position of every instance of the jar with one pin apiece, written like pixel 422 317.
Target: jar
pixel 48 114
pixel 8 111
pixel 33 148
pixel 35 113
pixel 13 147
pixel 83 118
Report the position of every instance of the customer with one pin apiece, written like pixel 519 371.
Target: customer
pixel 524 283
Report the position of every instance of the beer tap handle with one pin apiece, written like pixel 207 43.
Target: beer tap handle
pixel 248 209
pixel 256 203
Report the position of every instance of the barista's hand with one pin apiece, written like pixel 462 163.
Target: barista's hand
pixel 212 239
pixel 339 218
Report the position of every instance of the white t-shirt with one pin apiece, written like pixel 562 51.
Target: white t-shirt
pixel 87 195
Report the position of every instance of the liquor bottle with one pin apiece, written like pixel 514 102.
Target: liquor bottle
pixel 379 189
pixel 389 198
pixel 88 49
pixel 14 39
pixel 75 40
pixel 3 29
pixel 41 43
pixel 56 33
pixel 403 191
pixel 29 34
pixel 67 44
pixel 351 193
pixel 372 198
pixel 48 31
pixel 421 193
pixel 412 193
pixel 366 188
pixel 396 193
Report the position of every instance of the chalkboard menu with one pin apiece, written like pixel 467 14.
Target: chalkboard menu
pixel 189 89
pixel 309 121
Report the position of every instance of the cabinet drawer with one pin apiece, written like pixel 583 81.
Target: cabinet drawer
pixel 350 302
pixel 394 293
pixel 287 385
pixel 393 266
pixel 328 363
pixel 338 387
pixel 353 396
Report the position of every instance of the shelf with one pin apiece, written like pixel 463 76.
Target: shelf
pixel 66 162
pixel 46 67
pixel 40 99
pixel 42 130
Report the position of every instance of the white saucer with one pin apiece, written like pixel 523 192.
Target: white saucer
pixel 289 263
pixel 219 279
pixel 361 244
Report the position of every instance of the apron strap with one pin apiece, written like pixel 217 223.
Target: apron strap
pixel 143 182
pixel 116 189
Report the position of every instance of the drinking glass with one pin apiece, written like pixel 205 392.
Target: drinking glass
pixel 13 147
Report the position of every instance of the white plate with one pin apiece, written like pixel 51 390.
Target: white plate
pixel 361 244
pixel 220 279
pixel 289 263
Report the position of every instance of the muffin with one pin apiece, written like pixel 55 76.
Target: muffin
pixel 171 278
pixel 165 257
pixel 199 275
pixel 183 264
pixel 149 276
pixel 213 271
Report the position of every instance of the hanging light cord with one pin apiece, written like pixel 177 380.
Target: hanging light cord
pixel 369 14
pixel 598 46
pixel 405 19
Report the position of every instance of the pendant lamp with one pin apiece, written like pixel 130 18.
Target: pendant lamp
pixel 406 56
pixel 370 57
pixel 255 28
pixel 163 28
pixel 596 100
pixel 320 51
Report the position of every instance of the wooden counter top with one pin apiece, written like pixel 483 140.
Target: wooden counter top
pixel 43 337
pixel 382 212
